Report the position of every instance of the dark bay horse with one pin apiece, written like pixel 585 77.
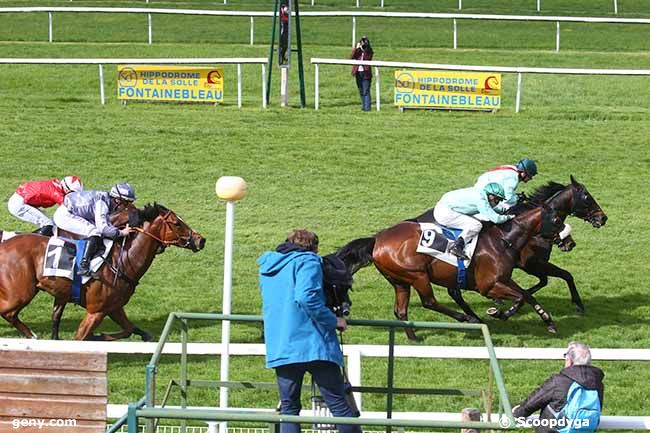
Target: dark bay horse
pixel 573 199
pixel 393 252
pixel 21 268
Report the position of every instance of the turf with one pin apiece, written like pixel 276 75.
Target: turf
pixel 343 173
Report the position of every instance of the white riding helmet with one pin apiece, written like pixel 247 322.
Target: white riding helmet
pixel 71 183
pixel 123 191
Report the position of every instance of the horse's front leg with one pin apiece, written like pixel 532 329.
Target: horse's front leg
pixel 88 325
pixel 457 296
pixel 128 328
pixel 511 290
pixel 57 313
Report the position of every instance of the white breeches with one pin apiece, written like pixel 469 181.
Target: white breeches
pixel 470 226
pixel 25 212
pixel 74 224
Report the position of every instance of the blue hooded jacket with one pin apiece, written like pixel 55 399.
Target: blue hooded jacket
pixel 298 327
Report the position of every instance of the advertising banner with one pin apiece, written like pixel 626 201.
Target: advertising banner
pixel 169 83
pixel 447 89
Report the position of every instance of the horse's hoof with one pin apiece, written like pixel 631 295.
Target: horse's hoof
pixel 552 328
pixel 580 310
pixel 472 319
pixel 146 337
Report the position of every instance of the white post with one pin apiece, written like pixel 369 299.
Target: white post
pixel 354 31
pixel 101 84
pixel 382 3
pixel 49 14
pixel 230 188
pixel 354 374
pixel 312 2
pixel 557 36
pixel 378 96
pixel 615 7
pixel 460 4
pixel 517 105
pixel 252 30
pixel 316 91
pixel 239 85
pixel 264 101
pixel 357 3
pixel 284 87
pixel 150 34
pixel 455 33
pixel 539 5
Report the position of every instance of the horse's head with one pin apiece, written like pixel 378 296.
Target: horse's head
pixel 585 206
pixel 169 229
pixel 337 282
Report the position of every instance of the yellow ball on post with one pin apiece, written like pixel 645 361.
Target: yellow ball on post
pixel 231 188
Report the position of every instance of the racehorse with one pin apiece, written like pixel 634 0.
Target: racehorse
pixel 573 199
pixel 125 213
pixel 393 252
pixel 106 294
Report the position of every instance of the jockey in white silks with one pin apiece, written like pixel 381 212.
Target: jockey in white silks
pixel 461 208
pixel 508 176
pixel 86 213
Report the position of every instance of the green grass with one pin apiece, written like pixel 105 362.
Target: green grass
pixel 345 174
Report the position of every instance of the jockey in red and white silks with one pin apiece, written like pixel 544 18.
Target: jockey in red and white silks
pixel 30 196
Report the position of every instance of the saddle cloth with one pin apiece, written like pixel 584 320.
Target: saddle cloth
pixel 436 239
pixel 7 235
pixel 62 256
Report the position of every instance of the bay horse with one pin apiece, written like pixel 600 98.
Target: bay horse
pixel 393 252
pixel 573 199
pixel 106 294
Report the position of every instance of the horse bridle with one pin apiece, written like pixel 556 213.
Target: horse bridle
pixel 182 242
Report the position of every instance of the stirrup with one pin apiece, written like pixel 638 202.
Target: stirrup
pixel 84 271
pixel 458 252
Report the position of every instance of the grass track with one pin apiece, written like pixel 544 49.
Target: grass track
pixel 346 175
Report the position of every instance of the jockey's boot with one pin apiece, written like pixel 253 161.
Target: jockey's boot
pixel 91 248
pixel 45 231
pixel 457 249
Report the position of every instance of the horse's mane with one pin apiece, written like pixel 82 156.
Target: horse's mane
pixel 539 196
pixel 151 211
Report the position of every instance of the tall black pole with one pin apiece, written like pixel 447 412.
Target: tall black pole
pixel 270 67
pixel 301 72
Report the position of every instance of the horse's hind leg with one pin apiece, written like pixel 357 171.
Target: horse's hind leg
pixel 88 325
pixel 429 301
pixel 57 313
pixel 401 309
pixel 457 296
pixel 119 317
pixel 550 270
pixel 12 317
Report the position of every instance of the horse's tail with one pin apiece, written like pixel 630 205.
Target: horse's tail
pixel 357 253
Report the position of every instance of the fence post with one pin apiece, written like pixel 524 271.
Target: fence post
pixel 557 36
pixel 252 30
pixel 539 5
pixel 264 101
pixel 354 31
pixel 378 95
pixel 455 34
pixel 238 87
pixel 460 4
pixel 49 15
pixel 517 105
pixel 615 7
pixel 101 84
pixel 316 92
pixel 150 34
pixel 132 419
pixel 354 373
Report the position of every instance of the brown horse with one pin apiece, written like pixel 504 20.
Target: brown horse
pixel 393 252
pixel 21 268
pixel 573 199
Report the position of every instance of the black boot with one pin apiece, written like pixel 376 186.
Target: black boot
pixel 457 249
pixel 45 231
pixel 91 248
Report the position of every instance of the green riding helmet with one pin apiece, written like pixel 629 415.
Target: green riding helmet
pixel 527 166
pixel 495 189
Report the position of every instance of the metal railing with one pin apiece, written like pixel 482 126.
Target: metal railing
pixel 161 61
pixel 150 411
pixel 519 70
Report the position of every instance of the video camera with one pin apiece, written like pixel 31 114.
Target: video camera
pixel 364 43
pixel 337 281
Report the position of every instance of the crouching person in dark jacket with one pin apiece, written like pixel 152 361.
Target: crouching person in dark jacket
pixel 299 330
pixel 573 398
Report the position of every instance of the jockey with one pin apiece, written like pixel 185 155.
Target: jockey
pixel 461 208
pixel 86 213
pixel 508 176
pixel 30 196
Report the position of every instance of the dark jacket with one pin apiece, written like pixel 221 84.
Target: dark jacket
pixel 554 391
pixel 359 54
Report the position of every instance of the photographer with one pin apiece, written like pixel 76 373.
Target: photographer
pixel 299 329
pixel 363 74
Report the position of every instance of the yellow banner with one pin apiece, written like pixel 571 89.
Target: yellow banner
pixel 169 83
pixel 442 89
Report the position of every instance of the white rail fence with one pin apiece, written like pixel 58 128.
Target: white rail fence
pixel 520 70
pixel 161 61
pixel 355 354
pixel 353 14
